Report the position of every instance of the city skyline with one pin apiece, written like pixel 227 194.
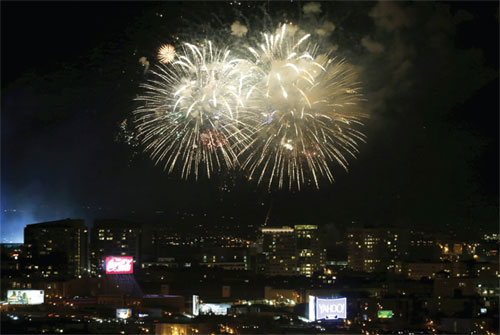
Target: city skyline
pixel 385 280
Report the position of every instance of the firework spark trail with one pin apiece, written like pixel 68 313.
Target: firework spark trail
pixel 309 113
pixel 192 110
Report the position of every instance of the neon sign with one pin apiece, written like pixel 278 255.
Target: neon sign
pixel 118 265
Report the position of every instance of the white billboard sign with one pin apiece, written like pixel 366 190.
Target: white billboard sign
pixel 327 308
pixel 25 297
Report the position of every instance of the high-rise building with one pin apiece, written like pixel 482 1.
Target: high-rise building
pixel 113 238
pixel 57 248
pixel 278 247
pixel 375 249
pixel 309 254
pixel 292 251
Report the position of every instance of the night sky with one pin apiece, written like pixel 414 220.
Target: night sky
pixel 70 72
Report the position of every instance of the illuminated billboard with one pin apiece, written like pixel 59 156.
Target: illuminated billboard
pixel 205 309
pixel 215 309
pixel 25 297
pixel 384 314
pixel 123 313
pixel 119 265
pixel 327 308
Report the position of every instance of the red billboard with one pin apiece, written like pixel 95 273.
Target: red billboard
pixel 118 265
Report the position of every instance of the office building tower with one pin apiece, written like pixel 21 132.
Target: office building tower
pixel 57 248
pixel 292 251
pixel 375 249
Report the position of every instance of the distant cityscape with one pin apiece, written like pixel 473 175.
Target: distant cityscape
pixel 138 278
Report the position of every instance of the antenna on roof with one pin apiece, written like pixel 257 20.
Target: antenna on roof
pixel 268 213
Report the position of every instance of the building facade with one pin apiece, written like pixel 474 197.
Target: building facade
pixel 113 238
pixel 291 251
pixel 309 254
pixel 57 248
pixel 375 249
pixel 278 249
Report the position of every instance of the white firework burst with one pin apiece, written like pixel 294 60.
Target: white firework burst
pixel 309 112
pixel 192 110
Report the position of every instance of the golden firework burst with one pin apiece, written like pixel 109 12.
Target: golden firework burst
pixel 166 53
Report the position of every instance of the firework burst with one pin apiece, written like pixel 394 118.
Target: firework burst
pixel 308 115
pixel 282 112
pixel 166 53
pixel 191 110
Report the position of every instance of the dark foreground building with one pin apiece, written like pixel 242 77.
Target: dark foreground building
pixel 57 248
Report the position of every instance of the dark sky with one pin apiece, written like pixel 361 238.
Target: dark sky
pixel 70 72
